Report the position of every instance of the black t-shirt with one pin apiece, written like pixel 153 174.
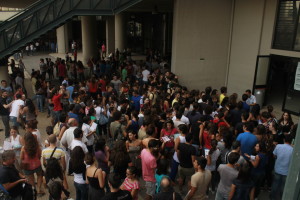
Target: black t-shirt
pixel 119 195
pixel 3 111
pixel 195 130
pixel 167 196
pixel 10 175
pixel 239 128
pixel 185 155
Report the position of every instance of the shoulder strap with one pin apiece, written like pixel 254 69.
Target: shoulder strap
pixel 53 152
pixel 95 172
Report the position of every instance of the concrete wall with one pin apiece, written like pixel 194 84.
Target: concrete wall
pixel 245 45
pixel 6 14
pixel 201 31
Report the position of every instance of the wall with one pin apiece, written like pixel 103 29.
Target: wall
pixel 201 29
pixel 6 14
pixel 245 45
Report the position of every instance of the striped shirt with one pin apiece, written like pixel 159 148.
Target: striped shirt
pixel 46 153
pixel 129 186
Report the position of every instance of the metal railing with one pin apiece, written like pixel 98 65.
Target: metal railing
pixel 45 15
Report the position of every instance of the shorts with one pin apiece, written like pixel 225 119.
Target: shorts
pixel 186 172
pixel 150 188
pixel 38 171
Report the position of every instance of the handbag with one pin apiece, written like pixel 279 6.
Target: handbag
pixel 103 119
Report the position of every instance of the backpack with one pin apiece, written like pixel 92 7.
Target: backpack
pixel 4 195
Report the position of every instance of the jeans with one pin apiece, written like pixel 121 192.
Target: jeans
pixel 197 149
pixel 81 191
pixel 277 186
pixel 220 196
pixel 40 103
pixel 56 115
pixel 14 121
pixel 5 120
pixel 174 169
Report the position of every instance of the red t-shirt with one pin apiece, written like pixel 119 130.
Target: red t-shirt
pixel 167 133
pixel 93 87
pixel 206 140
pixel 62 71
pixel 103 85
pixel 56 102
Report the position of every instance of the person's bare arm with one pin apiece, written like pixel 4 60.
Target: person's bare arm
pixel 191 193
pixel 9 186
pixel 252 196
pixel 62 131
pixel 232 190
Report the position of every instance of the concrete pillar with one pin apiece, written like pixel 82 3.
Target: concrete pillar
pixel 120 32
pixel 4 70
pixel 62 39
pixel 89 39
pixel 110 34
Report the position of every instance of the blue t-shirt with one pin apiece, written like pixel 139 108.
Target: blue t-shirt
pixel 136 102
pixel 246 107
pixel 283 152
pixel 70 90
pixel 248 141
pixel 73 115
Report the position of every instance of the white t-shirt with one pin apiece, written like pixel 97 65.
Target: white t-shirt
pixel 98 110
pixel 145 74
pixel 89 139
pixel 15 107
pixel 76 143
pixel 38 137
pixel 184 119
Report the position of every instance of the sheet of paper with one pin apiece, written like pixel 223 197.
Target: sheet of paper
pixel 166 139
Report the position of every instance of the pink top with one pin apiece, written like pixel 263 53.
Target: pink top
pixel 148 166
pixel 31 163
pixel 170 134
pixel 129 186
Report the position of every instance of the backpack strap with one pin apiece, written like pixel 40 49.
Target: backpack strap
pixel 53 152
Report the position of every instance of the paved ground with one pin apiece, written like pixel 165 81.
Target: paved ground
pixel 32 62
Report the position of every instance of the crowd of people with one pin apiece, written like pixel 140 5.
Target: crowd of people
pixel 130 125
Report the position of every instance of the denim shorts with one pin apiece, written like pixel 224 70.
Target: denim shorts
pixel 150 187
pixel 38 171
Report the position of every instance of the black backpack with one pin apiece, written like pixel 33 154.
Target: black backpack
pixel 28 192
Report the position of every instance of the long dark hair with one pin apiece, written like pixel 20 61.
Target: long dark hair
pixel 100 145
pixel 119 154
pixel 245 173
pixel 31 145
pixel 30 105
pixel 77 159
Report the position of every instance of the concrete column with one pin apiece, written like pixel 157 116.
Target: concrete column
pixel 89 41
pixel 62 39
pixel 120 32
pixel 110 35
pixel 4 70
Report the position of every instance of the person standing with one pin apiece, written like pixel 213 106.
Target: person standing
pixel 149 165
pixel 283 154
pixel 4 111
pixel 247 139
pixel 15 108
pixel 62 71
pixel 200 180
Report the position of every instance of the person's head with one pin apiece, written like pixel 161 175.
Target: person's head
pixel 236 145
pixel 286 116
pixel 200 163
pixel 86 119
pixel 14 131
pixel 288 138
pixel 78 134
pixel 131 135
pixel 100 145
pixel 4 93
pixel 153 146
pixel 183 129
pixel 244 97
pixel 117 115
pixel 260 129
pixel 233 158
pixel 4 83
pixel 189 138
pixel 248 92
pixel 265 116
pixel 89 159
pixel 52 139
pixel 223 90
pixel 63 118
pixel 260 147
pixel 248 127
pixel 270 108
pixel 8 157
pixel 114 181
pixel 131 172
pixel 244 173
pixel 273 126
pixel 49 130
pixel 18 96
pixel 165 184
pixel 169 124
pixel 178 115
pixel 72 122
pixel 162 166
pixel 150 130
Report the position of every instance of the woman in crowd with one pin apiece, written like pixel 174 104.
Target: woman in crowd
pixel 131 182
pixel 134 147
pixel 30 161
